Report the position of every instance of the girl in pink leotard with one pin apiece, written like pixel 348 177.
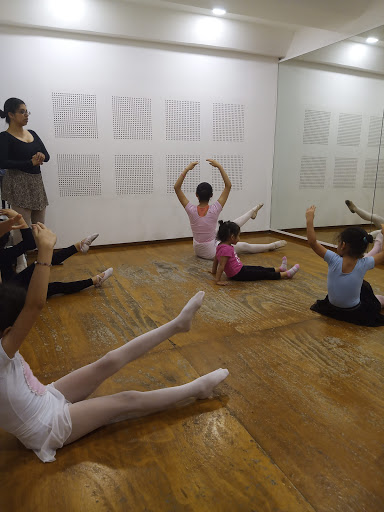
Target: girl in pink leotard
pixel 204 217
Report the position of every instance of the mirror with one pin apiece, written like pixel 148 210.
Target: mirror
pixel 329 133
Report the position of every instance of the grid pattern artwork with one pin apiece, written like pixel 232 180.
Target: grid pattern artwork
pixel 233 166
pixel 228 122
pixel 373 168
pixel 312 172
pixel 349 129
pixel 316 127
pixel 345 172
pixel 79 175
pixel 175 164
pixel 134 174
pixel 182 120
pixel 376 132
pixel 74 115
pixel 132 118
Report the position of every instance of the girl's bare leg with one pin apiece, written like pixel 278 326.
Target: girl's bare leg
pixel 79 384
pixel 91 414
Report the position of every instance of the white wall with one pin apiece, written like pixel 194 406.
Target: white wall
pixel 331 92
pixel 39 65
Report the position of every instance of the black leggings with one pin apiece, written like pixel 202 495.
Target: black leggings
pixel 57 287
pixel 253 273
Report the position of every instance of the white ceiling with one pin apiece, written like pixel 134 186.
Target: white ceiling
pixel 279 29
pixel 323 14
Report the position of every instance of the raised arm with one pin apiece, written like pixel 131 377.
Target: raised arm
pixel 379 257
pixel 227 182
pixel 14 336
pixel 28 242
pixel 311 235
pixel 180 194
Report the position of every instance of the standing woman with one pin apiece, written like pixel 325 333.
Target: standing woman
pixel 21 154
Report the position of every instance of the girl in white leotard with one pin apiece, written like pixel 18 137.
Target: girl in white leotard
pixel 44 418
pixel 204 217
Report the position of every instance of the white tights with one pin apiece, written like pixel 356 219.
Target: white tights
pixel 88 415
pixel 244 247
pixel 376 219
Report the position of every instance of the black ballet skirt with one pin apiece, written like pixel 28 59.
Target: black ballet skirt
pixel 368 312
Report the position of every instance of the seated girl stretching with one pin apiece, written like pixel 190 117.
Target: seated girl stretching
pixel 44 418
pixel 227 261
pixel 9 255
pixel 203 218
pixel 349 298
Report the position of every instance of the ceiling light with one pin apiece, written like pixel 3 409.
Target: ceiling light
pixel 372 40
pixel 218 11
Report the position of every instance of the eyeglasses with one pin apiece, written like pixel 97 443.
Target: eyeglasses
pixel 23 112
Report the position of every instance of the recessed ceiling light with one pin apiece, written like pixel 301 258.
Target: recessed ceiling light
pixel 372 40
pixel 218 11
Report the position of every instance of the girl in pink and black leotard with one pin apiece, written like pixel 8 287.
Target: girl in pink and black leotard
pixel 204 217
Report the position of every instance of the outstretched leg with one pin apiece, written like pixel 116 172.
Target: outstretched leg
pixel 79 384
pixel 91 414
pixel 240 221
pixel 244 247
pixel 83 246
pixel 376 219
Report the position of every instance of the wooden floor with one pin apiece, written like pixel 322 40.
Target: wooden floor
pixel 297 426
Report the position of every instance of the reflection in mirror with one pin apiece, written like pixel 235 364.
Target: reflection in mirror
pixel 329 128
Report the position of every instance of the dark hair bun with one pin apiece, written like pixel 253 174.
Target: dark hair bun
pixel 370 239
pixel 2 114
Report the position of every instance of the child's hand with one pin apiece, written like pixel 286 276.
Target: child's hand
pixel 310 213
pixel 213 163
pixel 191 166
pixel 44 237
pixel 222 283
pixel 16 219
pixel 8 213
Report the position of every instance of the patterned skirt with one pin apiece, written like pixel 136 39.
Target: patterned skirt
pixel 24 190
